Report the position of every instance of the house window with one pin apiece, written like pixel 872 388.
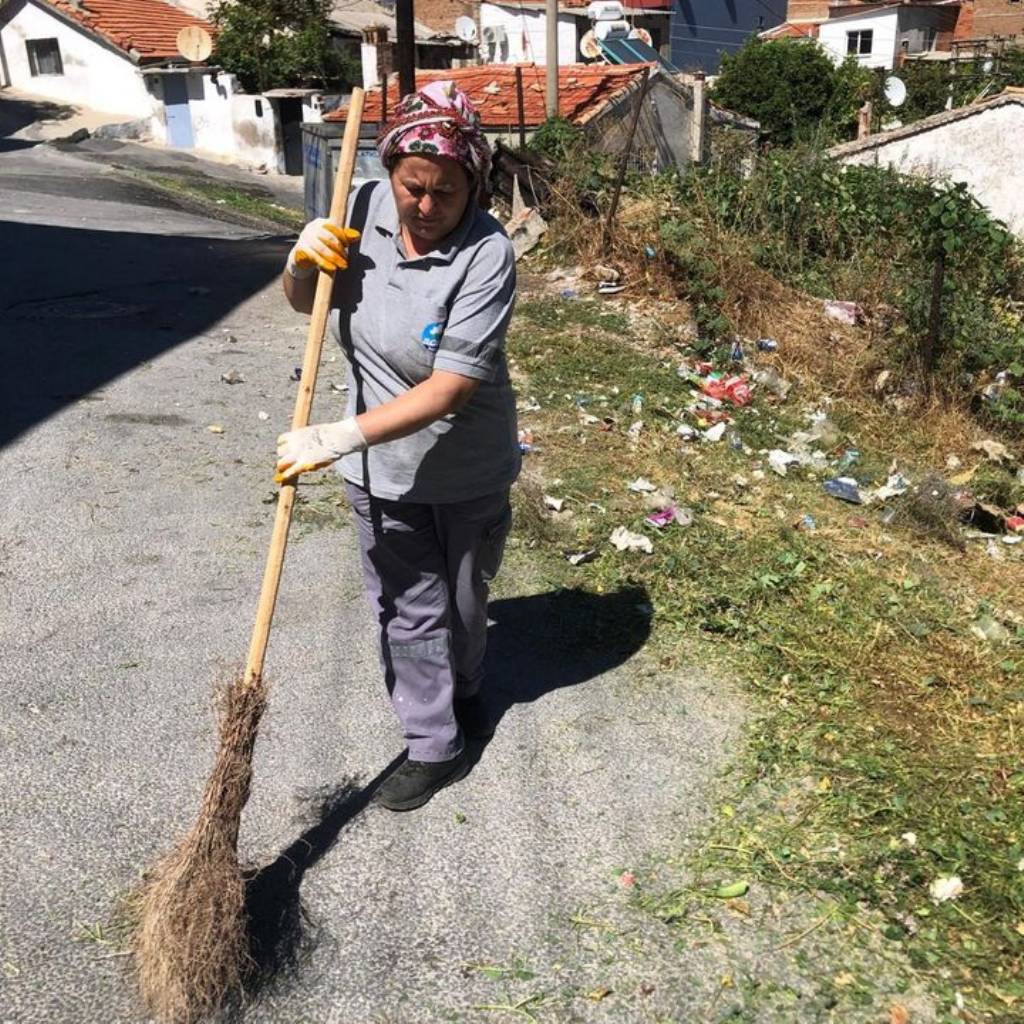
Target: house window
pixel 859 42
pixel 44 57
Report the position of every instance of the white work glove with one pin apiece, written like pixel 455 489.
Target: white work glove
pixel 307 448
pixel 322 245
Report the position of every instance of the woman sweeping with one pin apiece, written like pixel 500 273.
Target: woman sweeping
pixel 429 448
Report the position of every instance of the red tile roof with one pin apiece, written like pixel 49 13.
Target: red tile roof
pixel 583 89
pixel 150 27
pixel 792 30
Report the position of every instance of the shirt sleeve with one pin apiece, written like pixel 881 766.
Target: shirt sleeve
pixel 478 316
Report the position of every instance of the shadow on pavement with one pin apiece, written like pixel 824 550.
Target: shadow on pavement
pixel 281 933
pixel 537 644
pixel 545 642
pixel 82 307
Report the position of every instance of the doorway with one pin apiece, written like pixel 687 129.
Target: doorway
pixel 179 117
pixel 291 134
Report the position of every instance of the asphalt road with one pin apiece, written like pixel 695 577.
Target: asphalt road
pixel 131 547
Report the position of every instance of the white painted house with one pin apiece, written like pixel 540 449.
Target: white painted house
pixel 877 35
pixel 981 145
pixel 120 57
pixel 517 33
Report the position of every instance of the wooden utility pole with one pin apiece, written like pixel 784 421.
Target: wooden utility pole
pixel 405 47
pixel 551 57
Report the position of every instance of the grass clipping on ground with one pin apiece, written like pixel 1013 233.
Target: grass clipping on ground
pixel 887 751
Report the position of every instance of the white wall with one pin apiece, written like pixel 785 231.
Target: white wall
pixel 526 35
pixel 985 152
pixel 832 34
pixel 95 75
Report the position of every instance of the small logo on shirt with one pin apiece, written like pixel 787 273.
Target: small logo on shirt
pixel 431 336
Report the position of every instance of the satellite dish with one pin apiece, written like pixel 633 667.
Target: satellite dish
pixel 589 47
pixel 194 43
pixel 465 29
pixel 643 35
pixel 895 91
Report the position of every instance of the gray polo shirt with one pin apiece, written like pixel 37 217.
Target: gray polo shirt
pixel 400 319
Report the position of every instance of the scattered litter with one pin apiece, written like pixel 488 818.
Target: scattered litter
pixel 659 520
pixel 650 252
pixel 296 373
pixel 686 432
pixel 625 540
pixel 609 288
pixel 634 432
pixel 627 879
pixel 735 441
pixel 715 433
pixel 569 293
pixel 1012 539
pixel 263 416
pixel 882 380
pixel 587 419
pixel 910 838
pixel 994 450
pixel 637 405
pixel 530 405
pixel 337 388
pixel 773 382
pixel 896 485
pixel 232 377
pixel 845 489
pixel 845 312
pixel 780 460
pixel 555 504
pixel 215 428
pixel 733 389
pixel 946 887
pixel 736 351
pixel 732 891
pixel 986 628
pixel 230 338
pixel 849 459
pixel 526 441
pixel 641 485
pixel 581 557
pixel 767 345
pixel 953 463
pixel 806 522
pixel 1015 523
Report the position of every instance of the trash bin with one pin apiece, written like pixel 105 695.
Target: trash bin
pixel 321 144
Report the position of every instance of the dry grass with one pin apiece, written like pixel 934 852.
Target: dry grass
pixel 190 939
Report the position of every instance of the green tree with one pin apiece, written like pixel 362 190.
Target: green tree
pixel 793 88
pixel 277 43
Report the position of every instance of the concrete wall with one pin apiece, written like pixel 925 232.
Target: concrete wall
pixel 985 152
pixel 702 30
pixel 526 35
pixel 95 75
pixel 885 26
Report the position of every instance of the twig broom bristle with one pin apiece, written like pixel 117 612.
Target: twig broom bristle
pixel 191 940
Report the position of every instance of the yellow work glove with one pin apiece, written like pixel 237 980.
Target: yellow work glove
pixel 307 448
pixel 322 245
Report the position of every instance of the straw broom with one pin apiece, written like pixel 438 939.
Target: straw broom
pixel 190 940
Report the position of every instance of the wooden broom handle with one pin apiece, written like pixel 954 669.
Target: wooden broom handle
pixel 304 399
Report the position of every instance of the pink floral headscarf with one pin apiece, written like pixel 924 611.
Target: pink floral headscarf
pixel 438 120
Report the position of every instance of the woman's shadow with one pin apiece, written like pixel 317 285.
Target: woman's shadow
pixel 536 644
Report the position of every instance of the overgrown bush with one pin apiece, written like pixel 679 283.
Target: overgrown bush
pixel 276 43
pixel 793 89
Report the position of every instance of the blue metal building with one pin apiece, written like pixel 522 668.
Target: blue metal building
pixel 702 30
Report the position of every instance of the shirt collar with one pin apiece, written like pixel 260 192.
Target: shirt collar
pixel 387 224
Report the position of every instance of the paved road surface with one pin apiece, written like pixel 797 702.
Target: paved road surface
pixel 131 547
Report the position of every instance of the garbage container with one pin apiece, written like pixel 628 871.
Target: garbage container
pixel 321 144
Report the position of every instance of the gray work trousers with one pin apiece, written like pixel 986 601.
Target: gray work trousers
pixel 427 570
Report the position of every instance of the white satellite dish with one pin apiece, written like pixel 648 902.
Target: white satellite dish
pixel 194 43
pixel 589 46
pixel 895 91
pixel 465 29
pixel 643 35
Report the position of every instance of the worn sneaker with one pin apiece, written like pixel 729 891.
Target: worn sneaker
pixel 415 782
pixel 473 717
